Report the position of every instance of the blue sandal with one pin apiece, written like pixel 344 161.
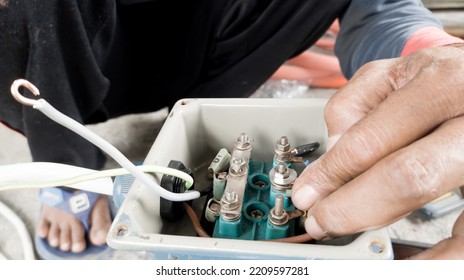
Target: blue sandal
pixel 80 205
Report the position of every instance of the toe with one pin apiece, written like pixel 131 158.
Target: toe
pixel 65 238
pixel 54 235
pixel 77 234
pixel 100 222
pixel 43 228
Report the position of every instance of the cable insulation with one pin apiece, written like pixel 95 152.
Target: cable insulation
pixel 72 176
pixel 84 132
pixel 23 233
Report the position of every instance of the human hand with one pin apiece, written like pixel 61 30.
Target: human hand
pixel 396 142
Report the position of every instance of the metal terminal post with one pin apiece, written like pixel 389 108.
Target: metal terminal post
pixel 232 199
pixel 243 142
pixel 278 216
pixel 282 150
pixel 229 203
pixel 282 177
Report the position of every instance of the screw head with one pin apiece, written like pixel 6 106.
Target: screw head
pixel 238 166
pixel 282 145
pixel 282 150
pixel 243 142
pixel 229 200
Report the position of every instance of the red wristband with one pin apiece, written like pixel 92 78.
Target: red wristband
pixel 429 36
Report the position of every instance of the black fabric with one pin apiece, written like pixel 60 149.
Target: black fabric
pixel 95 59
pixel 252 39
pixel 58 45
pixel 209 48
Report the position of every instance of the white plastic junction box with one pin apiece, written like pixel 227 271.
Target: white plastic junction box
pixel 195 130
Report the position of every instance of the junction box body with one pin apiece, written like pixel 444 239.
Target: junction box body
pixel 194 132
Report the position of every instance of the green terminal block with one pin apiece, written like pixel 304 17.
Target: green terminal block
pixel 255 221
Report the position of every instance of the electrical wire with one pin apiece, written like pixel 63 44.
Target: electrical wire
pixel 60 118
pixel 87 176
pixel 196 223
pixel 55 115
pixel 23 233
pixel 64 120
pixel 9 174
pixel 302 238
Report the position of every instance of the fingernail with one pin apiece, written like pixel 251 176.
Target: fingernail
pixel 332 140
pixel 305 197
pixel 313 228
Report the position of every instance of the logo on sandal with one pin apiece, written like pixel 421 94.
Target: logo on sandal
pixel 79 203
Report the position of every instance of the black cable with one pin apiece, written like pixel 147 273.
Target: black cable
pixel 305 149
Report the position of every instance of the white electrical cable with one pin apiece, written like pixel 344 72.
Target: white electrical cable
pixel 47 109
pixel 48 174
pixel 78 128
pixel 41 175
pixel 28 248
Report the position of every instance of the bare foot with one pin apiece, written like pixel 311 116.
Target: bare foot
pixel 66 232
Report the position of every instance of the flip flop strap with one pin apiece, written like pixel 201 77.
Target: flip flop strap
pixel 78 204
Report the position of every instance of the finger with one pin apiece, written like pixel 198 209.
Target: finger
pixel 448 249
pixel 363 93
pixel 376 80
pixel 348 106
pixel 407 114
pixel 398 184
